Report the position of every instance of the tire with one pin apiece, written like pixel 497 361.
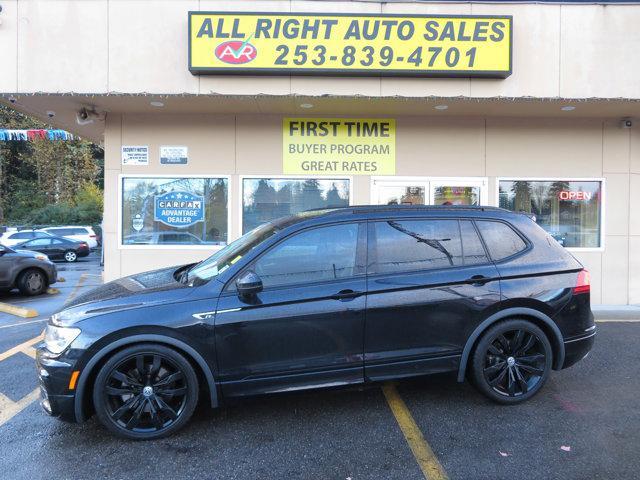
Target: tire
pixel 512 361
pixel 32 282
pixel 70 256
pixel 148 405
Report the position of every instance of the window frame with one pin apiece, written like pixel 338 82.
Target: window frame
pixel 242 178
pixel 603 197
pixel 422 271
pixel 361 252
pixel 207 247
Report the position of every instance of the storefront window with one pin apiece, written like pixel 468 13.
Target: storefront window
pixel 174 211
pixel 569 210
pixel 265 199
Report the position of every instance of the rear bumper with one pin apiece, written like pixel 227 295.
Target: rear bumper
pixel 578 348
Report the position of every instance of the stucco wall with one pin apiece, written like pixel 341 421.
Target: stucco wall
pixel 252 145
pixel 135 46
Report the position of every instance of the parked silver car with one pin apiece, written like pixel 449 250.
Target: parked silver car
pixel 29 272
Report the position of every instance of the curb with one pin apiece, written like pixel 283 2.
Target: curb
pixel 18 311
pixel 610 312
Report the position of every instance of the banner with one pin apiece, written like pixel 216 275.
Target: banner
pixel 347 44
pixel 326 146
pixel 178 209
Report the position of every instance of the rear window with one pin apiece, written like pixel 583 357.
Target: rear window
pixel 501 240
pixel 79 231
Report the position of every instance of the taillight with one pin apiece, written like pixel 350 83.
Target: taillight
pixel 92 236
pixel 583 284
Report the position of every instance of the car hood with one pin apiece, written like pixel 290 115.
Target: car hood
pixel 26 253
pixel 127 292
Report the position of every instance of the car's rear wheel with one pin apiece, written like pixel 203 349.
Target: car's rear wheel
pixel 512 361
pixel 32 282
pixel 70 256
pixel 145 392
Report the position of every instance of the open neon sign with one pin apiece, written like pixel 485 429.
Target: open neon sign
pixel 569 195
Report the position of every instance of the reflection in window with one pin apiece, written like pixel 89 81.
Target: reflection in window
pixel 174 211
pixel 408 245
pixel 569 210
pixel 321 254
pixel 265 199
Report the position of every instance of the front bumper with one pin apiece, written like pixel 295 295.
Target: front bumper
pixel 53 376
pixel 576 349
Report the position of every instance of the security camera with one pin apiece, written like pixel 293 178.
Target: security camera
pixel 626 123
pixel 51 113
pixel 85 116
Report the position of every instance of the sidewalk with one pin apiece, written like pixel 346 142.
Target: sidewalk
pixel 616 312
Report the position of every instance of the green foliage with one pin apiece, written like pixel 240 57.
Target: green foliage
pixel 48 182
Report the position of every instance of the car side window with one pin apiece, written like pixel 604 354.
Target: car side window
pixel 79 231
pixel 320 254
pixel 501 240
pixel 474 252
pixel 410 245
pixel 56 241
pixel 39 242
pixel 21 236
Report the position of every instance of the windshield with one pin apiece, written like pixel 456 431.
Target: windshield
pixel 224 258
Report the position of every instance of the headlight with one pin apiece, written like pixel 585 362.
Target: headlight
pixel 56 339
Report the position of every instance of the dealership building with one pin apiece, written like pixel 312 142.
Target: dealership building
pixel 217 116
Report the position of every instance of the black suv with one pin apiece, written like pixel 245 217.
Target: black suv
pixel 323 298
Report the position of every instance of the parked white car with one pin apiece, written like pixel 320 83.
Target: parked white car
pixel 13 237
pixel 79 234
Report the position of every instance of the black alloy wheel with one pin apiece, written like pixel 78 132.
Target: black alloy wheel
pixel 145 392
pixel 512 361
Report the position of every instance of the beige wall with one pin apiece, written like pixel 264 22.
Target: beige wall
pixel 491 147
pixel 139 46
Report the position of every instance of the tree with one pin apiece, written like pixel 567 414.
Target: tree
pixel 41 179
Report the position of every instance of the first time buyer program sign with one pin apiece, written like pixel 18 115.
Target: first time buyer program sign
pixel 353 146
pixel 346 44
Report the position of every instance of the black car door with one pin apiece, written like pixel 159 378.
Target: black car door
pixel 42 245
pixel 59 246
pixel 305 328
pixel 429 282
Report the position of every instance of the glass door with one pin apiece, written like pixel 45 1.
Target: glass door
pixel 400 194
pixel 436 191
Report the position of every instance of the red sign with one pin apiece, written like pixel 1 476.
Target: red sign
pixel 236 52
pixel 569 195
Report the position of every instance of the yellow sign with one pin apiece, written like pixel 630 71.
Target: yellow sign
pixel 344 44
pixel 325 146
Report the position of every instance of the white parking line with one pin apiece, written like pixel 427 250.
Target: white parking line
pixel 23 323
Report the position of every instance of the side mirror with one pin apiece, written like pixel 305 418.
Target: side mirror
pixel 248 284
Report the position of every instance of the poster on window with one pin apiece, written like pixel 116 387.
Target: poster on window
pixel 179 209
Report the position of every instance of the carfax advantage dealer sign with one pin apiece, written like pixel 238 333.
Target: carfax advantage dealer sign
pixel 335 44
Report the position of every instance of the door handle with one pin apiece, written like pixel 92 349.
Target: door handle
pixel 345 294
pixel 478 280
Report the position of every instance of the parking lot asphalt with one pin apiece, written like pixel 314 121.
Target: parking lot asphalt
pixel 585 423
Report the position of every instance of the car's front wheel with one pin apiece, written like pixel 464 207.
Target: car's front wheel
pixel 145 392
pixel 512 361
pixel 32 282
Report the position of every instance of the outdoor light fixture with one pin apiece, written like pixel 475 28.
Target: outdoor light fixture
pixel 156 103
pixel 567 108
pixel 441 107
pixel 306 105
